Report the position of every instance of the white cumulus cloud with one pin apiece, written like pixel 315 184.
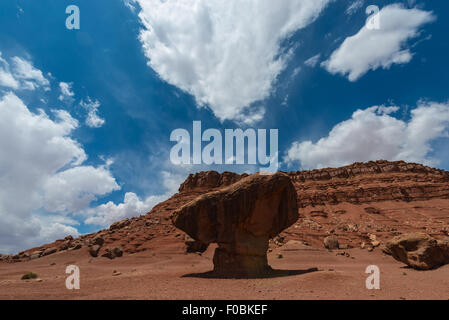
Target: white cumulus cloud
pixel 227 54
pixel 41 168
pixel 132 205
pixel 373 49
pixel 374 134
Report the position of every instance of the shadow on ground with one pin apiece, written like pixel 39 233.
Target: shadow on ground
pixel 272 274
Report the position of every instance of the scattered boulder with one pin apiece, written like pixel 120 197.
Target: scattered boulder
pixel 93 250
pixel 113 253
pixel 98 241
pixel 375 243
pixel 120 224
pixel 49 251
pixel 279 240
pixel 118 251
pixel 24 256
pixel 385 250
pixel 331 242
pixel 419 250
pixel 63 246
pixel 241 218
pixel 6 257
pixel 76 246
pixel 36 254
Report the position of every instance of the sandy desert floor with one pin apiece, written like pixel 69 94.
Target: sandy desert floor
pixel 170 274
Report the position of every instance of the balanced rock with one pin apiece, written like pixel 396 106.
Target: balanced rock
pixel 419 250
pixel 241 218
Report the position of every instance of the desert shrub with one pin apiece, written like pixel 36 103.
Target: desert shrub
pixel 29 275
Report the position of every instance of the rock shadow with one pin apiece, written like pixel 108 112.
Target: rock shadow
pixel 275 273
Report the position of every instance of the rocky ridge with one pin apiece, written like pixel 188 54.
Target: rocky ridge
pixel 363 204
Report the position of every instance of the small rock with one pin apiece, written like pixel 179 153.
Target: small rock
pixel 375 243
pixel 331 242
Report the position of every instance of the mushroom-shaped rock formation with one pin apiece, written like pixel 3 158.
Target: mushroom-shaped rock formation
pixel 241 218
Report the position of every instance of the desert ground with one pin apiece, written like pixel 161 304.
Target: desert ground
pixel 171 274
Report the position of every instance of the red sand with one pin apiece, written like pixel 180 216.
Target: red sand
pixel 164 274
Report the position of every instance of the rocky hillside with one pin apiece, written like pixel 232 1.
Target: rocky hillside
pixel 363 205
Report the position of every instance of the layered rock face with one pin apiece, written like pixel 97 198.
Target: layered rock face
pixel 362 205
pixel 370 182
pixel 210 180
pixel 241 218
pixel 419 250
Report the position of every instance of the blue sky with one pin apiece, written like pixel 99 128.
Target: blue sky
pixel 106 97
